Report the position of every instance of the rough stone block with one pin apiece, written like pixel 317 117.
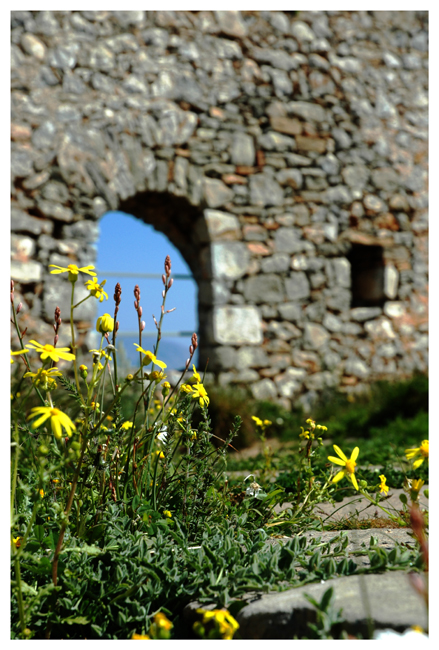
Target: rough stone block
pixel 306 143
pixel 237 325
pixel 391 278
pixel 26 272
pixel 286 125
pixel 265 191
pixel 297 286
pixel 217 225
pixel 216 192
pixel 264 389
pixel 243 149
pixel 315 336
pixel 264 288
pixel 229 260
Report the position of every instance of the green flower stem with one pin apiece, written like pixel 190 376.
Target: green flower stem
pixel 72 329
pixel 81 301
pixel 377 504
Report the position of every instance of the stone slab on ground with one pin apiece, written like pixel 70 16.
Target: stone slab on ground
pixel 350 505
pixel 387 598
pixel 387 538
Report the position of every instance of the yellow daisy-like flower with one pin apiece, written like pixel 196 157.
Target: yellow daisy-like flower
pixel 16 542
pixel 96 289
pixel 224 622
pixel 421 451
pixel 127 425
pixel 45 378
pixel 50 352
pixel 257 420
pixel 383 487
pixel 18 352
pixel 198 391
pixel 347 463
pixel 58 420
pixel 160 627
pixel 196 374
pixel 72 270
pixel 413 487
pixel 186 388
pixel 105 324
pixel 42 494
pixel 306 434
pixel 167 513
pixel 149 356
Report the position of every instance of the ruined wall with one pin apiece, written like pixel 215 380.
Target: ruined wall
pixel 283 153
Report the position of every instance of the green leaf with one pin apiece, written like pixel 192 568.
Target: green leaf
pixel 39 533
pixel 326 599
pixel 77 620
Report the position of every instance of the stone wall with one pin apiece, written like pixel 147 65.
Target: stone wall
pixel 283 153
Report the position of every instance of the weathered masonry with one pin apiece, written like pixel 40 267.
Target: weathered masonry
pixel 283 153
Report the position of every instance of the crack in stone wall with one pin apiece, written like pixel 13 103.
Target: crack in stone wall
pixel 268 146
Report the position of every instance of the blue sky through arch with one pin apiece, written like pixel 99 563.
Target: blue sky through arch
pixel 127 245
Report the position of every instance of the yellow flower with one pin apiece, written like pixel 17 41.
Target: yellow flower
pixel 105 324
pixel 225 624
pixel 322 427
pixel 41 493
pixel 161 627
pixel 348 465
pixel 166 387
pixel 167 513
pixel 72 270
pixel 18 352
pixel 185 388
pixel 306 434
pixel 45 378
pixel 198 391
pixel 16 542
pixel 196 375
pixel 138 637
pixel 58 420
pixel 96 289
pixel 127 425
pixel 50 352
pixel 156 375
pixel 261 423
pixel 311 423
pixel 413 487
pixel 421 451
pixel 383 487
pixel 160 454
pixel 149 356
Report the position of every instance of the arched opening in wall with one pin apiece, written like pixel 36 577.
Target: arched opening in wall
pixel 367 276
pixel 132 252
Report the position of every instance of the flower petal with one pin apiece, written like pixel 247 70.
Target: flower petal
pixel 339 476
pixel 338 461
pixel 355 453
pixel 339 452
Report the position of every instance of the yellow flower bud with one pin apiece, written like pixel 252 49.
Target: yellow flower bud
pixel 105 324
